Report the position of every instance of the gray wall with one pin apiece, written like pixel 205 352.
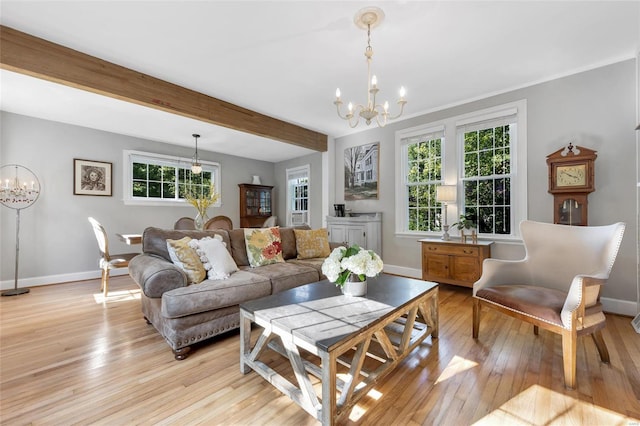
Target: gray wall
pixel 56 241
pixel 594 109
pixel 315 187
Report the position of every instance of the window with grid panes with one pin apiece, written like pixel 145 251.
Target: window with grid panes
pixel 486 174
pixel 422 158
pixel 298 195
pixel 155 178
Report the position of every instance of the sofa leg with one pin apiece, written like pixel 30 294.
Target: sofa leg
pixel 181 353
pixel 147 320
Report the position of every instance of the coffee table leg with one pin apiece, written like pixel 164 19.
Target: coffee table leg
pixel 245 341
pixel 434 315
pixel 329 372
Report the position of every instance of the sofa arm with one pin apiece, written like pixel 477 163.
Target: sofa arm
pixel 155 275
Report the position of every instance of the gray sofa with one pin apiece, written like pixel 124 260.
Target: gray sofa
pixel 186 314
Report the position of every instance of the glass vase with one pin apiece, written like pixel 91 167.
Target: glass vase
pixel 200 220
pixel 354 287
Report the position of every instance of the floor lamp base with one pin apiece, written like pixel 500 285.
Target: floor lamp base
pixel 15 292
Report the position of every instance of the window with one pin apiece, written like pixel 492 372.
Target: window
pixel 486 174
pixel 298 196
pixel 486 160
pixel 154 179
pixel 422 154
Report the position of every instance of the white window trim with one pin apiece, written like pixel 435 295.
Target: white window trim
pixel 295 170
pixel 127 159
pixel 401 154
pixel 452 166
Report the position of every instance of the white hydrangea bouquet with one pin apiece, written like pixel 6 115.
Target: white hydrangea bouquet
pixel 344 262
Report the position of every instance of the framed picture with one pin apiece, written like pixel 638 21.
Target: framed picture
pixel 361 172
pixel 91 177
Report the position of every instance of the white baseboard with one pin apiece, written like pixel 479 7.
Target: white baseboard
pixel 620 307
pixel 404 271
pixel 57 279
pixel 615 306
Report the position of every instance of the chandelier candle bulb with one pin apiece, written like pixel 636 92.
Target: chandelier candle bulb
pixel 338 94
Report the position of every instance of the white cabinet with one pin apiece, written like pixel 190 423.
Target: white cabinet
pixel 363 229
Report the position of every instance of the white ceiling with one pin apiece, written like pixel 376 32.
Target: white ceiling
pixel 286 58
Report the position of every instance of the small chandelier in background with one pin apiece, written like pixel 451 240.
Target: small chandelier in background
pixel 196 167
pixel 368 18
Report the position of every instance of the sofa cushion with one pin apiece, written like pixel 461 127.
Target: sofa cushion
pixel 312 243
pixel 315 263
pixel 209 295
pixel 287 275
pixel 264 246
pixel 186 258
pixel 238 247
pixel 215 257
pixel 154 240
pixel 288 239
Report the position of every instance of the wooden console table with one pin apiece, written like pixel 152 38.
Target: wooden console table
pixel 453 262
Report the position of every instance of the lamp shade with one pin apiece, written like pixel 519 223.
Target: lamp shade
pixel 446 193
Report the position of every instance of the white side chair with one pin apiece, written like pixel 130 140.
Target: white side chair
pixel 556 286
pixel 108 261
pixel 270 222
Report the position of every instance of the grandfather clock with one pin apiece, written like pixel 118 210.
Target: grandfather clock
pixel 571 180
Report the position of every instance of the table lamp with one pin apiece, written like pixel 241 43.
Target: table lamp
pixel 445 194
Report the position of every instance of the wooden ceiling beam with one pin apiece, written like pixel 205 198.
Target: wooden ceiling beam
pixel 36 57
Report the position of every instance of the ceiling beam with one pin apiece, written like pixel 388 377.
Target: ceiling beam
pixel 36 57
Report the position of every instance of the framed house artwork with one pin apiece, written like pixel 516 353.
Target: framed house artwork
pixel 91 177
pixel 361 166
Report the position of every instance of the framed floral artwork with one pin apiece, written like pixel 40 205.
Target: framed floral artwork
pixel 91 177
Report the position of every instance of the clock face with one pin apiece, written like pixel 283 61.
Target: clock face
pixel 571 175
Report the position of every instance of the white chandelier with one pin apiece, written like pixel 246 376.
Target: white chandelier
pixel 368 18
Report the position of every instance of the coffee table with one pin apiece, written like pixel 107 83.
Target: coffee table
pixel 360 339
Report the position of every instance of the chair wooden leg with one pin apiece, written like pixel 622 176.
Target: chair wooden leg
pixel 602 347
pixel 105 282
pixel 476 318
pixel 569 353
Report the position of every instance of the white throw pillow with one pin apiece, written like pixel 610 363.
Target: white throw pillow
pixel 215 257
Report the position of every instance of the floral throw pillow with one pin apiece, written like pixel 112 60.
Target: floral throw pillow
pixel 186 259
pixel 264 246
pixel 312 243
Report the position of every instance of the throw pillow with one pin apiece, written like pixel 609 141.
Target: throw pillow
pixel 215 257
pixel 186 259
pixel 264 246
pixel 313 243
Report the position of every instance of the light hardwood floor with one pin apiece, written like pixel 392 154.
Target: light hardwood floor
pixel 68 357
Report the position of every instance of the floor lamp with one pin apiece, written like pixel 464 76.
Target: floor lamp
pixel 19 189
pixel 445 194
